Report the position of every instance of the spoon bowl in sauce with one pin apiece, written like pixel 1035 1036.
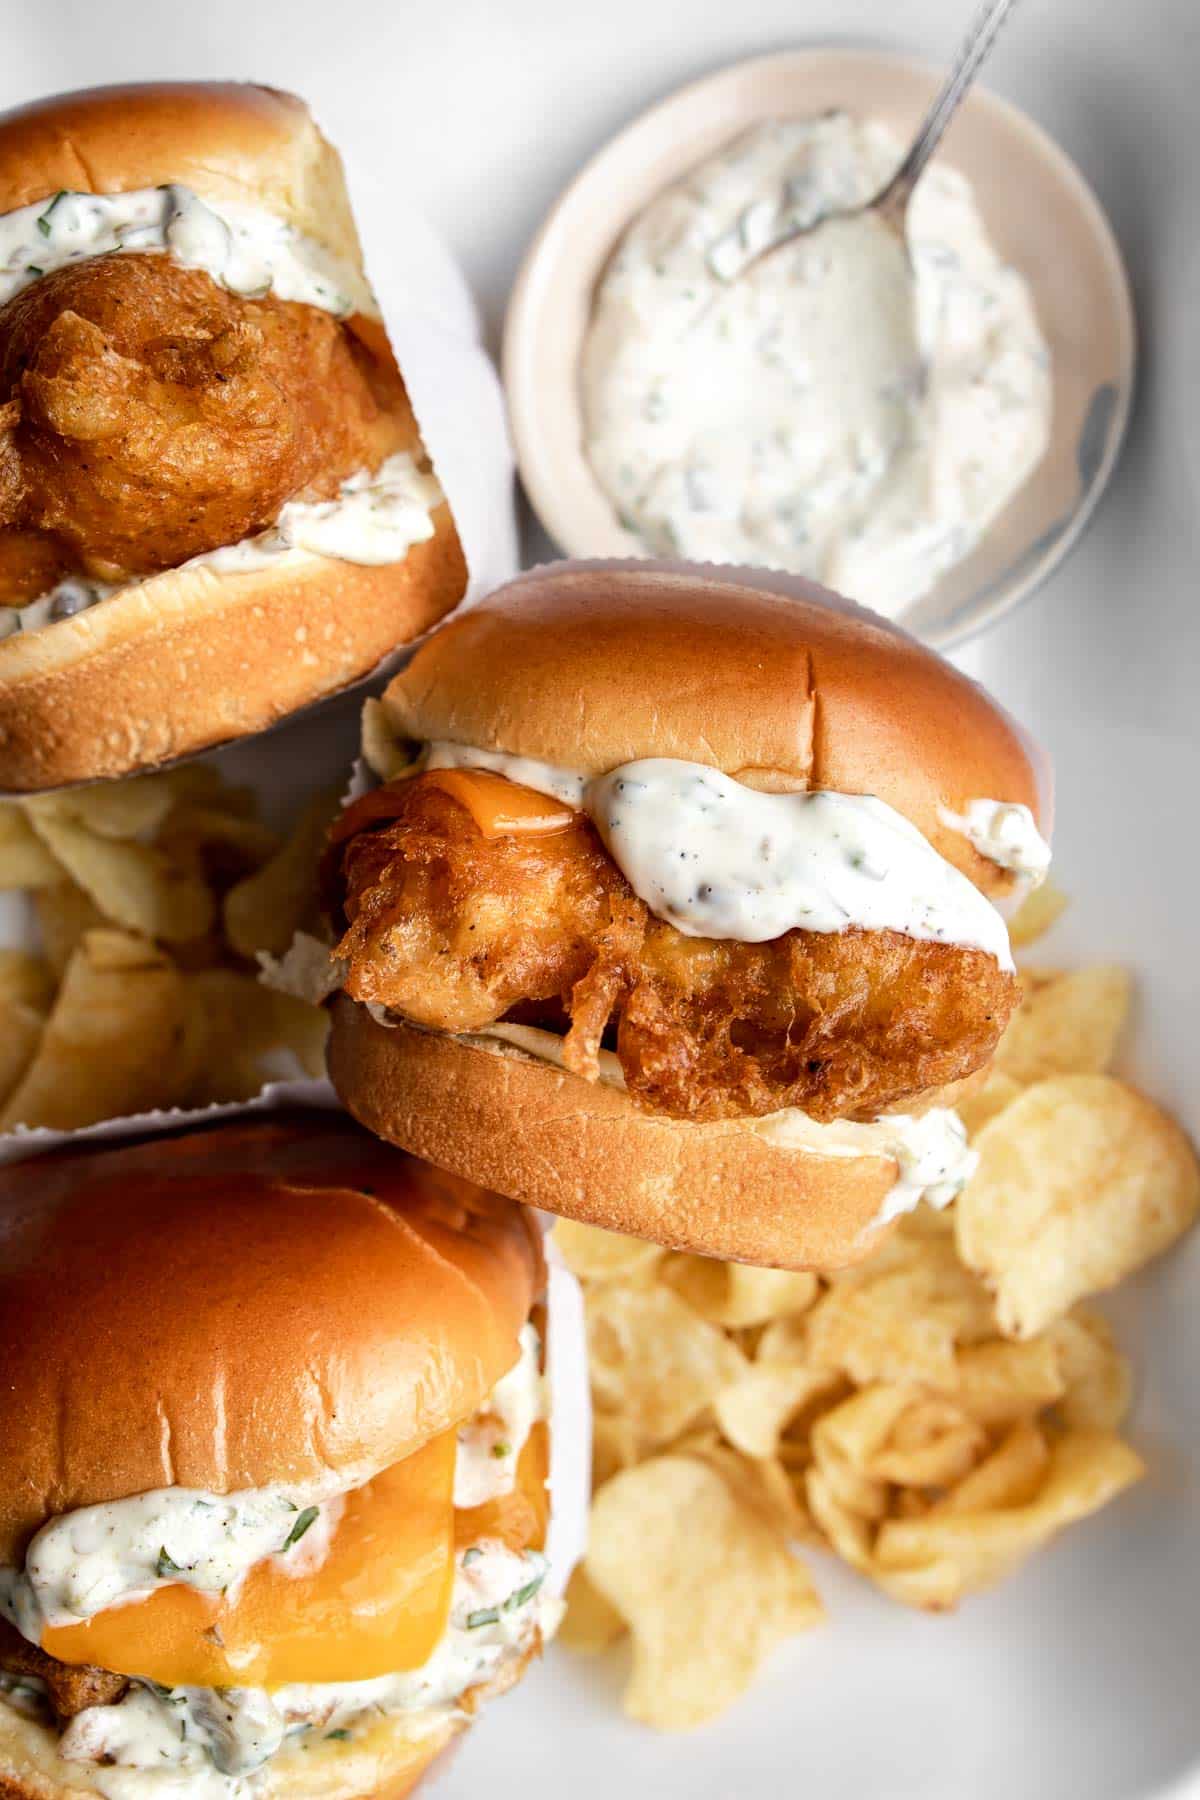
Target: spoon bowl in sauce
pixel 890 204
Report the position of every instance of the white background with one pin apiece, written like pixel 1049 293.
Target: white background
pixel 1080 1679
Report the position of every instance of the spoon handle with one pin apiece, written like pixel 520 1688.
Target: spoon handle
pixel 979 39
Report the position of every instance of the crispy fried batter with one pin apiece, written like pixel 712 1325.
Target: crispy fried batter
pixel 70 1689
pixel 454 931
pixel 147 415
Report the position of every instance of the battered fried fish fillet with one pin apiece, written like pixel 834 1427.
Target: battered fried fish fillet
pixel 147 415
pixel 454 930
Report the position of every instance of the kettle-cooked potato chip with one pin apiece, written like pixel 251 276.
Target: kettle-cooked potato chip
pixel 899 1316
pixel 1036 914
pixel 881 1411
pixel 997 1092
pixel 933 1443
pixel 1097 1379
pixel 238 1034
pixel 1080 1182
pixel 735 1295
pixel 1010 1475
pixel 152 857
pixel 63 913
pixel 26 980
pixel 846 1439
pixel 616 1444
pixel 200 834
pixel 24 860
pixel 784 1341
pixel 265 911
pixel 881 1330
pixel 654 1360
pixel 117 809
pixel 754 1410
pixel 1066 1024
pixel 133 884
pixel 603 1255
pixel 765 1482
pixel 707 1587
pixel 590 1624
pixel 1000 1381
pixel 952 1552
pixel 108 1047
pixel 20 1034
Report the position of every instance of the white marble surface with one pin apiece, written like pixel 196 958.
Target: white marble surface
pixel 1077 1679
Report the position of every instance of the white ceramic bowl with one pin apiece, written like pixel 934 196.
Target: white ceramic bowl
pixel 1039 211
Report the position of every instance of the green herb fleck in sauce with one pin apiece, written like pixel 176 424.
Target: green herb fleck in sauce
pixel 304 1520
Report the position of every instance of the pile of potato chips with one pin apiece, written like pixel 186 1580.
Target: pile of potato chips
pixel 151 899
pixel 931 1416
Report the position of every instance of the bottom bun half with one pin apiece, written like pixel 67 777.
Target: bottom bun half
pixel 191 658
pixel 385 1763
pixel 518 1124
pixel 387 1767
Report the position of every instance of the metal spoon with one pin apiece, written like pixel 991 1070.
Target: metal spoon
pixel 891 203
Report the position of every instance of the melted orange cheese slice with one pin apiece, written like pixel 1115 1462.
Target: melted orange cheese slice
pixel 377 1604
pixel 499 807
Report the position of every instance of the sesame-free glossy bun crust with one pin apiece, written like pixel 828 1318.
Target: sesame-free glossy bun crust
pixel 591 667
pixel 587 1151
pixel 284 1299
pixel 227 140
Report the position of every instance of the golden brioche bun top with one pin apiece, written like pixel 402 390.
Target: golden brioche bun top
pixel 227 140
pixel 284 1299
pixel 591 667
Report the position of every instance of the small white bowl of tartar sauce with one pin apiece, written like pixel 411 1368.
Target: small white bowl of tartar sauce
pixel 929 440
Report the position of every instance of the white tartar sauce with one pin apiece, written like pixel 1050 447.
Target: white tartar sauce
pixel 243 248
pixel 841 410
pixel 933 1159
pixel 157 1739
pixel 85 1561
pixel 1006 833
pixel 720 860
pixel 717 859
pixel 561 784
pixel 930 1150
pixel 209 1742
pixel 490 1444
pixel 375 519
